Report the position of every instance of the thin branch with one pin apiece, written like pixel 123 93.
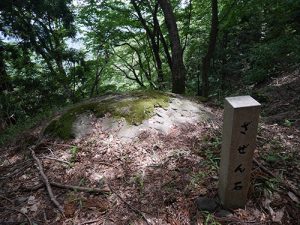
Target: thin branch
pixel 46 182
pixel 34 188
pixel 69 187
pixel 55 159
pixel 189 23
pixel 79 188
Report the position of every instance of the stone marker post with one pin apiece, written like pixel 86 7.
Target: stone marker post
pixel 238 143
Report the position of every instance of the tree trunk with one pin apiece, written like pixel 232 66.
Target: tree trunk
pixel 224 61
pixel 178 69
pixel 211 48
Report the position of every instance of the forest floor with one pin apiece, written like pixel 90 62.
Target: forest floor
pixel 156 175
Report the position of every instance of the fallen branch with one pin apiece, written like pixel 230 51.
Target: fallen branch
pixel 58 144
pixel 55 159
pixel 128 205
pixel 78 188
pixel 46 182
pixel 285 185
pixel 70 187
pixel 34 188
pixel 15 210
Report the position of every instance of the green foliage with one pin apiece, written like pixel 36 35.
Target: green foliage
pixel 277 156
pixel 139 181
pixel 210 219
pixel 263 61
pixel 288 123
pixel 211 152
pixel 13 131
pixel 197 178
pixel 74 150
pixel 267 185
pixel 257 40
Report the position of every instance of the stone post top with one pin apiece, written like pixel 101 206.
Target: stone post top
pixel 242 101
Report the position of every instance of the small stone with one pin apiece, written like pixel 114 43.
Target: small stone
pixel 223 213
pixel 206 204
pixel 24 210
pixel 31 200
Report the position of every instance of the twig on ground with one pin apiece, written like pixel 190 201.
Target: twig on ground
pixel 71 187
pixel 285 185
pixel 78 188
pixel 58 160
pixel 106 164
pixel 46 182
pixel 33 188
pixel 50 150
pixel 15 210
pixel 58 144
pixel 128 205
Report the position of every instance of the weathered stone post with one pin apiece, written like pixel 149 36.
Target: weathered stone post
pixel 238 143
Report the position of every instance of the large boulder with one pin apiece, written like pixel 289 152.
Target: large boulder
pixel 127 115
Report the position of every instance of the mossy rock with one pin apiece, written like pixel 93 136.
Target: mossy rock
pixel 133 107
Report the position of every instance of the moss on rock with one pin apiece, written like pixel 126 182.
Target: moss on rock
pixel 134 107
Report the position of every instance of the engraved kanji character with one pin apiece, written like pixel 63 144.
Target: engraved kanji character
pixel 242 149
pixel 245 127
pixel 238 186
pixel 239 168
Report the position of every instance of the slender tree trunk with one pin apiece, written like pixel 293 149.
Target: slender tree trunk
pixel 178 68
pixel 211 48
pixel 224 61
pixel 96 82
pixel 152 36
pixel 5 84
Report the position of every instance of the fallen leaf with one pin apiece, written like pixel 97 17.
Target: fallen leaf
pixel 100 205
pixel 277 216
pixel 69 208
pixel 293 197
pixel 266 205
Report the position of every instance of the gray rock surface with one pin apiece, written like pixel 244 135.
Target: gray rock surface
pixel 83 125
pixel 180 111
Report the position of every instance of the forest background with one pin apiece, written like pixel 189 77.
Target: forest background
pixel 59 52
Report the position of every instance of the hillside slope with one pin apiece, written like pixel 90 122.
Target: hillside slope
pixel 150 171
